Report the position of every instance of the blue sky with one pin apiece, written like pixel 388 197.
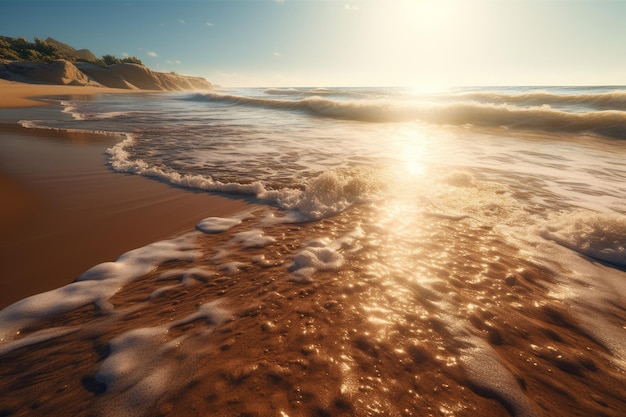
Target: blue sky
pixel 421 43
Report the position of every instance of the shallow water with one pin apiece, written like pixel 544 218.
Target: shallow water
pixel 461 253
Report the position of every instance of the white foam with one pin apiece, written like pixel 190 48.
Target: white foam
pixel 233 267
pixel 41 124
pixel 325 195
pixel 121 161
pixel 70 108
pixel 189 276
pixel 95 286
pixel 217 224
pixel 253 239
pixel 38 337
pixel 140 367
pixel 322 254
pixel 601 236
pixel 328 194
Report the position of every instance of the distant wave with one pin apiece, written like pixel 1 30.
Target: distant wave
pixel 611 123
pixel 615 100
pixel 301 92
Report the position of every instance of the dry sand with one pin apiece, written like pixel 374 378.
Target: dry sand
pixel 63 210
pixel 15 94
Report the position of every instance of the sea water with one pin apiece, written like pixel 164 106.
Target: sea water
pixel 432 206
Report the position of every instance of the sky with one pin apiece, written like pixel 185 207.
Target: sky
pixel 416 43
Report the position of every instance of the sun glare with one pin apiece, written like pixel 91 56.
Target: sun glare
pixel 416 42
pixel 428 15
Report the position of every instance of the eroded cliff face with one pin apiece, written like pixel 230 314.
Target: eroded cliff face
pixel 126 76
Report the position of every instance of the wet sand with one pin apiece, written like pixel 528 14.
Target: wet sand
pixel 15 94
pixel 435 316
pixel 356 341
pixel 63 210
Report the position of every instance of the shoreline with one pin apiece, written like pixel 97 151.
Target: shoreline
pixel 22 95
pixel 64 210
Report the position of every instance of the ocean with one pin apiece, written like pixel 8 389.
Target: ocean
pixel 451 252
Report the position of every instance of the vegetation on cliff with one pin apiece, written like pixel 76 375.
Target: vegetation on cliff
pixel 20 49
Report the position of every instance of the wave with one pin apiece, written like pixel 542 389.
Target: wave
pixel 302 92
pixel 615 100
pixel 611 123
pixel 41 124
pixel 71 109
pixel 323 196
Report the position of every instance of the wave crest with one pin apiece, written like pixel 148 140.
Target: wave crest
pixel 611 123
pixel 614 100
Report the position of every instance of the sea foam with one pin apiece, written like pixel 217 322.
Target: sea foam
pixel 95 286
pixel 600 236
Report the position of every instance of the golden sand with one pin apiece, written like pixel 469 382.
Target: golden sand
pixel 63 210
pixel 15 94
pixel 323 347
pixel 373 337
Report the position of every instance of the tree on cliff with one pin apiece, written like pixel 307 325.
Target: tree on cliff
pixel 112 60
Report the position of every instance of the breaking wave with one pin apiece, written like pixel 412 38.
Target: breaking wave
pixel 615 100
pixel 611 123
pixel 325 195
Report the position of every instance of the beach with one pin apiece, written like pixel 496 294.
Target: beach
pixel 56 185
pixel 315 252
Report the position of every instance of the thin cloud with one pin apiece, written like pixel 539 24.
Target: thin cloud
pixel 176 62
pixel 181 21
pixel 152 54
pixel 210 24
pixel 277 54
pixel 279 1
pixel 351 8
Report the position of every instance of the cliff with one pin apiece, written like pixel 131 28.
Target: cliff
pixel 125 75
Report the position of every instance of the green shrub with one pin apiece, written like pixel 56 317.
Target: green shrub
pixel 20 49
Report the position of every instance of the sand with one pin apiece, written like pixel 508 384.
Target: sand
pixel 15 94
pixel 351 342
pixel 63 210
pixel 457 324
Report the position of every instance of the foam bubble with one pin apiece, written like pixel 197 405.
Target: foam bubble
pixel 322 254
pixel 253 239
pixel 217 224
pixel 321 259
pixel 140 368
